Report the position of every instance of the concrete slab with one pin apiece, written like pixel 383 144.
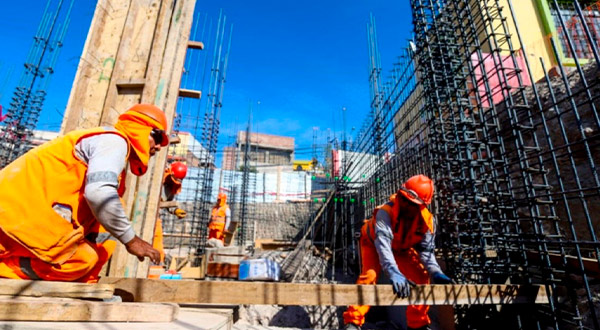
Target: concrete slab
pixel 188 318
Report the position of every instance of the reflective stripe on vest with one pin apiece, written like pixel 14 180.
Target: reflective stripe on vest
pixel 25 265
pixel 219 214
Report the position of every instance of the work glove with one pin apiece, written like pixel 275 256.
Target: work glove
pixel 180 213
pixel 401 285
pixel 441 278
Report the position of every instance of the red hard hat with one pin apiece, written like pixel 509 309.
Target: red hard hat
pixel 178 170
pixel 418 189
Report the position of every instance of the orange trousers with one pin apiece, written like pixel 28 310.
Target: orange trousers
pixel 409 264
pixel 83 266
pixel 215 230
pixel 157 242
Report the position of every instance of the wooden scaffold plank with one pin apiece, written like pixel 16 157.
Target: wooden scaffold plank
pixel 27 288
pixel 267 293
pixel 71 310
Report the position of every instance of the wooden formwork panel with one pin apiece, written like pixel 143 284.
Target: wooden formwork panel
pixel 134 53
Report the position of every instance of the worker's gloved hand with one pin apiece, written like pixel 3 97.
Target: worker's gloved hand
pixel 141 249
pixel 441 278
pixel 401 285
pixel 180 213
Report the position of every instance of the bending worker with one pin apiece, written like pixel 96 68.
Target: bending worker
pixel 401 241
pixel 60 202
pixel 220 218
pixel 172 180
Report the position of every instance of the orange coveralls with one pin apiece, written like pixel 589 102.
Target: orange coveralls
pixel 407 233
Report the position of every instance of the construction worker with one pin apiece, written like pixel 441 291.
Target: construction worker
pixel 60 203
pixel 172 180
pixel 400 240
pixel 220 218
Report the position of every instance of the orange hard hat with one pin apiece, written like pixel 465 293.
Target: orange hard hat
pixel 178 170
pixel 221 196
pixel 157 115
pixel 418 189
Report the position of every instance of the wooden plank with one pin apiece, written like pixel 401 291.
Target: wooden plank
pixel 195 45
pixel 64 309
pixel 267 293
pixel 27 288
pixel 167 204
pixel 190 93
pixel 132 63
pixel 130 84
pixel 95 69
pixel 591 266
pixel 164 94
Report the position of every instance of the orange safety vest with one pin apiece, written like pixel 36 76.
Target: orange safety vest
pixel 35 187
pixel 218 216
pixel 407 232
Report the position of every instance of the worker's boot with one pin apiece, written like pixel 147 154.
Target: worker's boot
pixel 351 326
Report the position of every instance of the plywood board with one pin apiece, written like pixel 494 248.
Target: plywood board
pixel 267 293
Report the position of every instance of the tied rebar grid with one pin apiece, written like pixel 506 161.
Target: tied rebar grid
pixel 29 96
pixel 514 163
pixel 197 123
pixel 210 134
pixel 247 183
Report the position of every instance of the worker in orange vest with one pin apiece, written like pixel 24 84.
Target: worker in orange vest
pixel 401 241
pixel 172 180
pixel 60 205
pixel 220 218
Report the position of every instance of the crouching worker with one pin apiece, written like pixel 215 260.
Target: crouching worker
pixel 401 241
pixel 60 206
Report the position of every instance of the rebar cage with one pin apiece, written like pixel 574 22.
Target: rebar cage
pixel 513 152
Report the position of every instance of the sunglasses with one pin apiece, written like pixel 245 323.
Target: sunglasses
pixel 157 135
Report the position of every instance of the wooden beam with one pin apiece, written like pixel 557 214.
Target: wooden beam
pixel 64 309
pixel 27 288
pixel 268 293
pixel 190 93
pixel 195 45
pixel 167 204
pixel 591 266
pixel 130 84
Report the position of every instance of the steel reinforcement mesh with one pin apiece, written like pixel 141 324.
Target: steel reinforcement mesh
pixel 513 152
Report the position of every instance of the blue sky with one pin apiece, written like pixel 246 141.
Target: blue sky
pixel 303 61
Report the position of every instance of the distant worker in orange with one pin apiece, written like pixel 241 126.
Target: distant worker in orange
pixel 172 180
pixel 60 205
pixel 401 241
pixel 220 218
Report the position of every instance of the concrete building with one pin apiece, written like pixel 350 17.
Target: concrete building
pixel 191 151
pixel 268 152
pixel 538 22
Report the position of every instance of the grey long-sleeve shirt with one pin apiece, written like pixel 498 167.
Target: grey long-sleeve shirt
pixel 106 157
pixel 383 244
